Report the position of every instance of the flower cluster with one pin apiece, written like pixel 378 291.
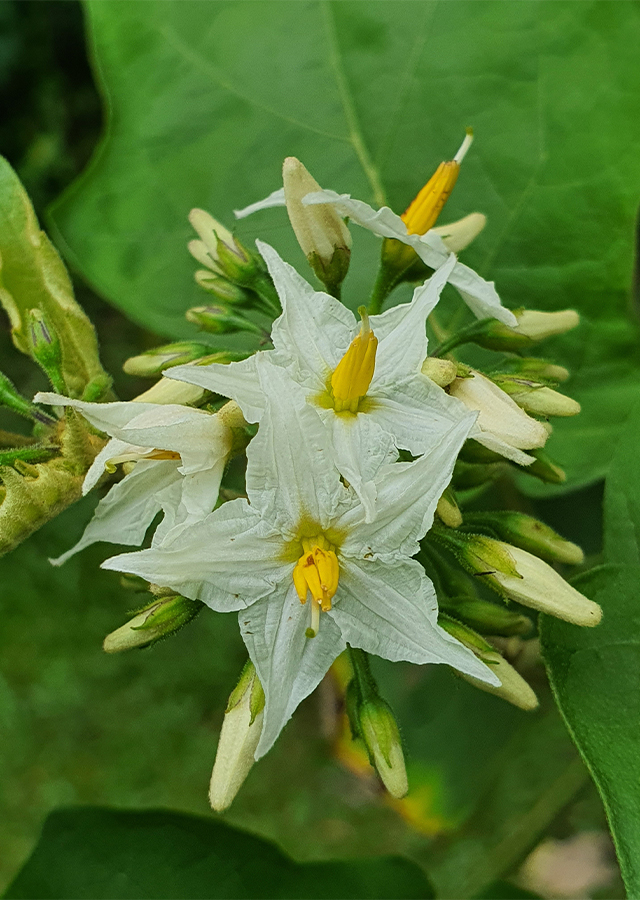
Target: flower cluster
pixel 352 534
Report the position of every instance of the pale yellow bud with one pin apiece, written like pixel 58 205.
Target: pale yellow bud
pixel 205 251
pixel 539 325
pixel 318 227
pixel 448 510
pixel 458 235
pixel 239 739
pixel 168 390
pixel 498 415
pixel 513 687
pixel 441 371
pixel 540 587
pixel 544 401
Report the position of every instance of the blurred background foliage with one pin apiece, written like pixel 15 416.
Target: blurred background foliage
pixel 139 731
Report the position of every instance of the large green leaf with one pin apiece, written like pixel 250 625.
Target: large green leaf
pixel 204 100
pixel 106 854
pixel 595 672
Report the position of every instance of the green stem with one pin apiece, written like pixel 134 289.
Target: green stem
pixel 362 673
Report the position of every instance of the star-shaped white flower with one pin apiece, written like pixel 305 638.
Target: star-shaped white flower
pixel 179 454
pixel 480 296
pixel 378 402
pixel 298 560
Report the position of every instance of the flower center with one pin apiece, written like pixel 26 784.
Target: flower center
pixel 423 211
pixel 316 573
pixel 352 376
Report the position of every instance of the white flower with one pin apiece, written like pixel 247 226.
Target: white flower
pixel 479 295
pixel 368 389
pixel 179 454
pixel 501 425
pixel 306 571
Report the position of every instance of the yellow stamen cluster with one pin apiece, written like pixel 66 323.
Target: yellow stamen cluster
pixel 422 212
pixel 316 573
pixel 352 376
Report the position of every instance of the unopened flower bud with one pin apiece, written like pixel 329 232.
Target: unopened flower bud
pixel 160 619
pixel 501 425
pixel 539 325
pixel 379 730
pixel 513 687
pixel 489 618
pixel 544 401
pixel 529 534
pixel 458 235
pixel 155 361
pixel 219 320
pixel 12 399
pixel 239 739
pixel 521 576
pixel 448 510
pixel 222 289
pixel 219 250
pixel 441 371
pixel 324 238
pixel 171 391
pixel 45 348
pixel 545 469
pixel 540 370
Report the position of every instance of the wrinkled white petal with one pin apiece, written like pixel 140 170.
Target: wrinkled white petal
pixel 291 474
pixel 361 447
pixel 416 411
pixel 401 330
pixel 229 560
pixel 408 494
pixel 236 380
pixel 478 294
pixel 314 331
pixel 275 198
pixel 289 664
pixel 392 612
pixel 124 515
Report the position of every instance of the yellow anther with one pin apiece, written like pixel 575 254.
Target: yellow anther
pixel 423 211
pixel 317 573
pixel 352 376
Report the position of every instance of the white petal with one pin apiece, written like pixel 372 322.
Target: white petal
pixel 492 442
pixel 237 380
pixel 392 612
pixel 200 438
pixel 275 198
pixel 111 418
pixel 124 515
pixel 314 330
pixel 291 474
pixel 417 412
pixel 361 447
pixel 408 494
pixel 401 330
pixel 229 560
pixel 478 294
pixel 289 664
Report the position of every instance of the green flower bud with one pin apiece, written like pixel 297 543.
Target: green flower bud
pixel 448 510
pixel 219 320
pixel 239 739
pixel 379 731
pixel 540 370
pixel 489 618
pixel 544 401
pixel 513 687
pixel 155 361
pixel 12 399
pixel 156 621
pixel 539 325
pixel 528 533
pixel 45 349
pixel 544 468
pixel 221 288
